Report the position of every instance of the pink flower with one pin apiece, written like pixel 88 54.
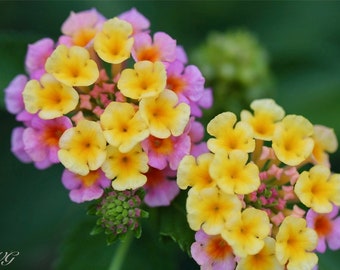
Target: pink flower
pixel 80 27
pixel 161 48
pixel 17 145
pixel 13 94
pixel 169 151
pixel 327 227
pixel 196 133
pixel 212 252
pixel 41 140
pixel 36 56
pixel 160 190
pixel 137 20
pixel 188 83
pixel 85 188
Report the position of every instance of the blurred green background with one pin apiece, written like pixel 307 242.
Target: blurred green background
pixel 302 40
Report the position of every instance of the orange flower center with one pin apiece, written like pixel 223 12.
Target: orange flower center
pixel 154 177
pixel 162 146
pixel 89 179
pixel 175 84
pixel 151 54
pixel 83 37
pixel 322 225
pixel 217 248
pixel 51 134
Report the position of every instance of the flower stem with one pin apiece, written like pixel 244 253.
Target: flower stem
pixel 118 258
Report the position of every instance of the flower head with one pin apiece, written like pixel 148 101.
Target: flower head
pixel 233 174
pixel 72 66
pixel 147 79
pixel 210 208
pixel 265 259
pixel 295 244
pixel 245 231
pixel 80 28
pixel 327 226
pixel 164 115
pixel 114 42
pixel 292 142
pixel 49 97
pixel 318 189
pixel 266 114
pixel 85 187
pixel 229 136
pixel 212 252
pixel 126 169
pixel 83 147
pixel 123 127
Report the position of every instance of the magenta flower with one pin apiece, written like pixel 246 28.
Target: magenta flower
pixel 212 252
pixel 160 190
pixel 166 152
pixel 41 140
pixel 137 20
pixel 80 27
pixel 36 56
pixel 327 227
pixel 17 145
pixel 85 188
pixel 13 94
pixel 159 48
pixel 196 133
pixel 188 83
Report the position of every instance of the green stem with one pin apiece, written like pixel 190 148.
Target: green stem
pixel 118 258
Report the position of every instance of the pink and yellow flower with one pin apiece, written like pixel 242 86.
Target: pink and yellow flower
pixel 83 147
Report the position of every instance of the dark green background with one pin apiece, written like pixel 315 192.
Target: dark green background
pixel 37 218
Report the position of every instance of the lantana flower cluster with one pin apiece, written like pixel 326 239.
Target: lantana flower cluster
pixel 116 105
pixel 264 195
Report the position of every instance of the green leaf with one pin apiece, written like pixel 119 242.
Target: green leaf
pixel 13 46
pixel 173 223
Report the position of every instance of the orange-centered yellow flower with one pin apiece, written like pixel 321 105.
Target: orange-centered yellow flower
pixel 72 66
pixel 246 231
pixel 230 135
pixel 147 79
pixel 233 174
pixel 82 148
pixel 123 127
pixel 114 42
pixel 195 173
pixel 126 169
pixel 292 142
pixel 49 97
pixel 295 243
pixel 266 114
pixel 318 189
pixel 265 259
pixel 164 115
pixel 210 208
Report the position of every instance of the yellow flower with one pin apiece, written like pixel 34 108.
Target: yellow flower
pixel 49 97
pixel 122 126
pixel 147 79
pixel 266 114
pixel 292 142
pixel 164 115
pixel 295 243
pixel 195 173
pixel 126 169
pixel 229 136
pixel 265 259
pixel 318 189
pixel 114 42
pixel 233 174
pixel 72 66
pixel 82 148
pixel 246 231
pixel 325 142
pixel 210 208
